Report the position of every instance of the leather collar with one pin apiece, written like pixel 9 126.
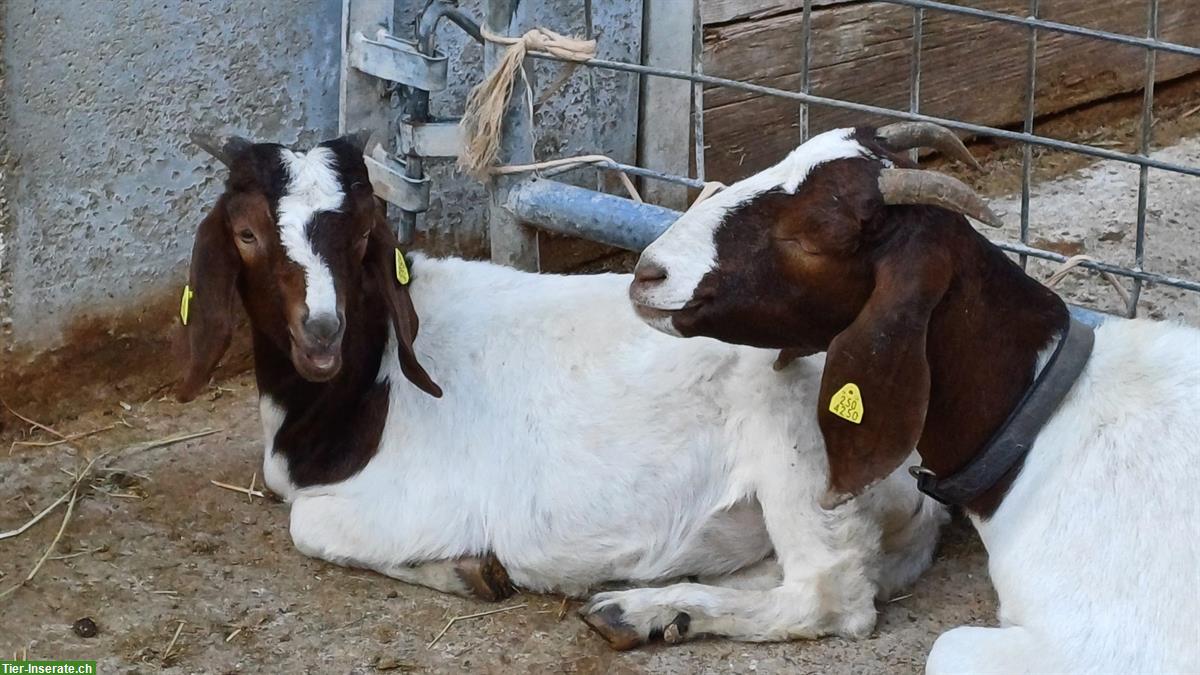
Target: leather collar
pixel 1009 445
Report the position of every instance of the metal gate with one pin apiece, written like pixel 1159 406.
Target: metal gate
pixel 372 54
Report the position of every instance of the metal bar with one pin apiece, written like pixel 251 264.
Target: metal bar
pixel 631 170
pixel 697 90
pixel 621 222
pixel 976 129
pixel 1054 26
pixel 1030 113
pixel 512 243
pixel 806 66
pixel 1139 253
pixel 914 73
pixel 665 136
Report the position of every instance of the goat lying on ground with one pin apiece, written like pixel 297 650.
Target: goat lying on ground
pixel 551 438
pixel 1092 538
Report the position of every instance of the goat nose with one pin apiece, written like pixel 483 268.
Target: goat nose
pixel 323 328
pixel 648 272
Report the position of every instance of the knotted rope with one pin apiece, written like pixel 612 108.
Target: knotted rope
pixel 483 119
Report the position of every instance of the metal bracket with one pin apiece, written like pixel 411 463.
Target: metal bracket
pixel 391 184
pixel 430 139
pixel 388 57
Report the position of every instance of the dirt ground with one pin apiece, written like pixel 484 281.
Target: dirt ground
pixel 152 543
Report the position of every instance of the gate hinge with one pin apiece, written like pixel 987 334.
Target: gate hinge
pixel 391 58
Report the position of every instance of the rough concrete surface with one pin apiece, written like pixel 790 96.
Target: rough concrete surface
pixel 98 97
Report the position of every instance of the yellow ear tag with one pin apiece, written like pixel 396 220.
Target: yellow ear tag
pixel 186 303
pixel 847 403
pixel 401 269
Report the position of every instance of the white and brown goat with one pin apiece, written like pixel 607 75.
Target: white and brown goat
pixel 1089 509
pixel 563 439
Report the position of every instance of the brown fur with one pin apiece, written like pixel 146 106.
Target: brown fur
pixel 333 423
pixel 939 329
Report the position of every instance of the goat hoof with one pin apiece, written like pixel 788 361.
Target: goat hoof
pixel 485 577
pixel 677 630
pixel 609 622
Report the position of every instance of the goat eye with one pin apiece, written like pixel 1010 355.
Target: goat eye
pixel 246 236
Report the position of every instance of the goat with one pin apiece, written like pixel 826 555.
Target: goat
pixel 550 440
pixel 845 248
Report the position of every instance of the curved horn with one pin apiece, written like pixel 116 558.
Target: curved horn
pixel 917 186
pixel 909 135
pixel 221 146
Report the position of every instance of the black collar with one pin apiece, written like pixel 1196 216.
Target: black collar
pixel 1015 437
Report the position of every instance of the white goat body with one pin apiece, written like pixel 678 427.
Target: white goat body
pixel 1095 550
pixel 583 447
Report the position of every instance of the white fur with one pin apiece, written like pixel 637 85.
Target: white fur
pixel 275 472
pixel 583 447
pixel 313 186
pixel 687 250
pixel 1095 550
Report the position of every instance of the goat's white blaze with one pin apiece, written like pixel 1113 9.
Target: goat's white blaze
pixel 687 250
pixel 313 187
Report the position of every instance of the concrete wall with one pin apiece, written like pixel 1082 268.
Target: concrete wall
pixel 102 189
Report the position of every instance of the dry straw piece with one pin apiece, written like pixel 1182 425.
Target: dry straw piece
pixel 483 118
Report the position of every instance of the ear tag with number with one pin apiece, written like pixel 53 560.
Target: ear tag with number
pixel 401 269
pixel 185 304
pixel 847 403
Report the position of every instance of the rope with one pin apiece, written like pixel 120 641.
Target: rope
pixel 483 118
pixel 1074 261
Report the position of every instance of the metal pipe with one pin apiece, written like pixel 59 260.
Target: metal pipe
pixel 579 212
pixel 976 129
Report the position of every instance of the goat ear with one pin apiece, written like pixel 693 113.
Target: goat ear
pixel 208 319
pixel 381 266
pixel 875 387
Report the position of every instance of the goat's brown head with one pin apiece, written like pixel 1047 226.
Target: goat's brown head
pixel 296 234
pixel 815 254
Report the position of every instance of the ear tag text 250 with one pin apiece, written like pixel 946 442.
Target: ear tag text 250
pixel 401 269
pixel 847 403
pixel 185 304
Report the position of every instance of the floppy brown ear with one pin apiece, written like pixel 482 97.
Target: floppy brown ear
pixel 876 372
pixel 381 265
pixel 212 280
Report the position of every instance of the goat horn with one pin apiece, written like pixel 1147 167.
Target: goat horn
pixel 221 146
pixel 917 186
pixel 909 135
